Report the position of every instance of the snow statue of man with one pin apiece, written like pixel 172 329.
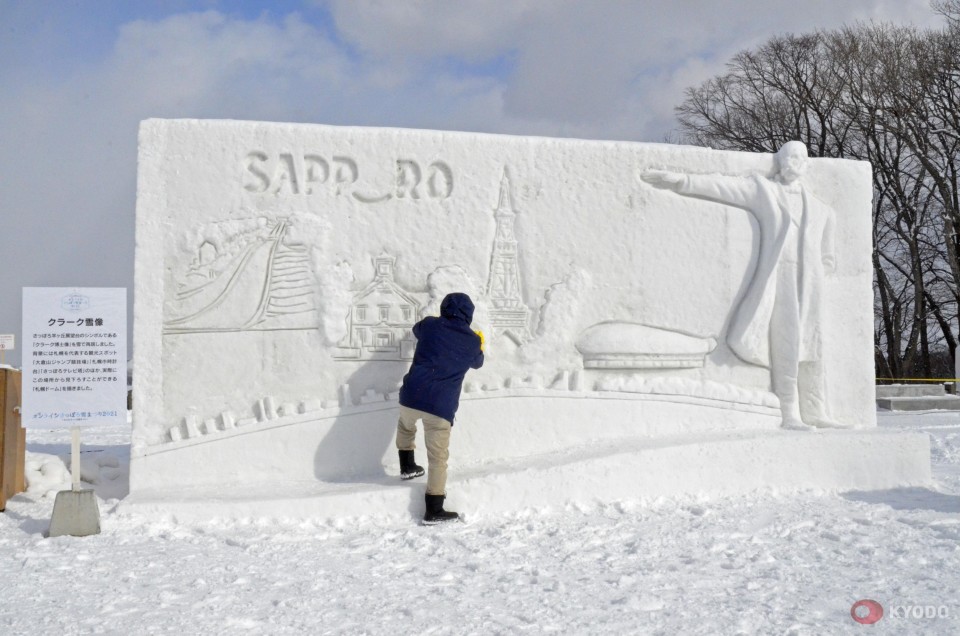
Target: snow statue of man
pixel 777 323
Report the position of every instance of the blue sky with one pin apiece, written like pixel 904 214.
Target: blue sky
pixel 78 77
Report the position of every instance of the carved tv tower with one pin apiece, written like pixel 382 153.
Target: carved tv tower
pixel 509 315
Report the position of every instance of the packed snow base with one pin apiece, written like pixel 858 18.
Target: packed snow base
pixel 766 562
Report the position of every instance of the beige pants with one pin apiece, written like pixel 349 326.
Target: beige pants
pixel 436 433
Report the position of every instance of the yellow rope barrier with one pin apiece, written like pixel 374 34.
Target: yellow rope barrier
pixel 920 379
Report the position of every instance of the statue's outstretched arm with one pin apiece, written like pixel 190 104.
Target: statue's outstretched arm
pixel 738 191
pixel 663 179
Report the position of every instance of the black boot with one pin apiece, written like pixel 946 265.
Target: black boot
pixel 435 513
pixel 408 467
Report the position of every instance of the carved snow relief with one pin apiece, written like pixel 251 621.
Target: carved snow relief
pixel 245 275
pixel 381 318
pixel 312 174
pixel 623 345
pixel 292 261
pixel 508 316
pixel 778 321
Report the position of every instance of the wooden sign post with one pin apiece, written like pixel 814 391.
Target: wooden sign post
pixel 13 438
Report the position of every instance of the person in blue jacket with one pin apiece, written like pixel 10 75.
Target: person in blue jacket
pixel 446 349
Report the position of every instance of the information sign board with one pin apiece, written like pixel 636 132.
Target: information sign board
pixel 75 356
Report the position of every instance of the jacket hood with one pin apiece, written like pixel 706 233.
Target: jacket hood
pixel 457 306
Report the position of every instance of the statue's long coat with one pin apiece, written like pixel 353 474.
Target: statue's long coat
pixel 768 201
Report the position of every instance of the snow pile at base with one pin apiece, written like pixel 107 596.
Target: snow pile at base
pixel 690 566
pixel 945 448
pixel 760 563
pixel 45 474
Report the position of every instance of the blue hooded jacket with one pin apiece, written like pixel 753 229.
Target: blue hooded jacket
pixel 446 349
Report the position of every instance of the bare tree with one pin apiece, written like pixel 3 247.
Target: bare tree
pixel 785 90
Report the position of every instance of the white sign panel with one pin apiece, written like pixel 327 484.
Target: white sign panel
pixel 7 342
pixel 75 356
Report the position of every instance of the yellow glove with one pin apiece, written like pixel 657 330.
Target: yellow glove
pixel 480 333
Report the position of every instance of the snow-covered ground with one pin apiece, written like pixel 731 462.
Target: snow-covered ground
pixel 765 563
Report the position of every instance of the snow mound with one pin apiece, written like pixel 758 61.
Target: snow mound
pixel 45 475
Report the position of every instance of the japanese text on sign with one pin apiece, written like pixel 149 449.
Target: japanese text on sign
pixel 75 356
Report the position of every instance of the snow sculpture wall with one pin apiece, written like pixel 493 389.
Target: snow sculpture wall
pixel 280 267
